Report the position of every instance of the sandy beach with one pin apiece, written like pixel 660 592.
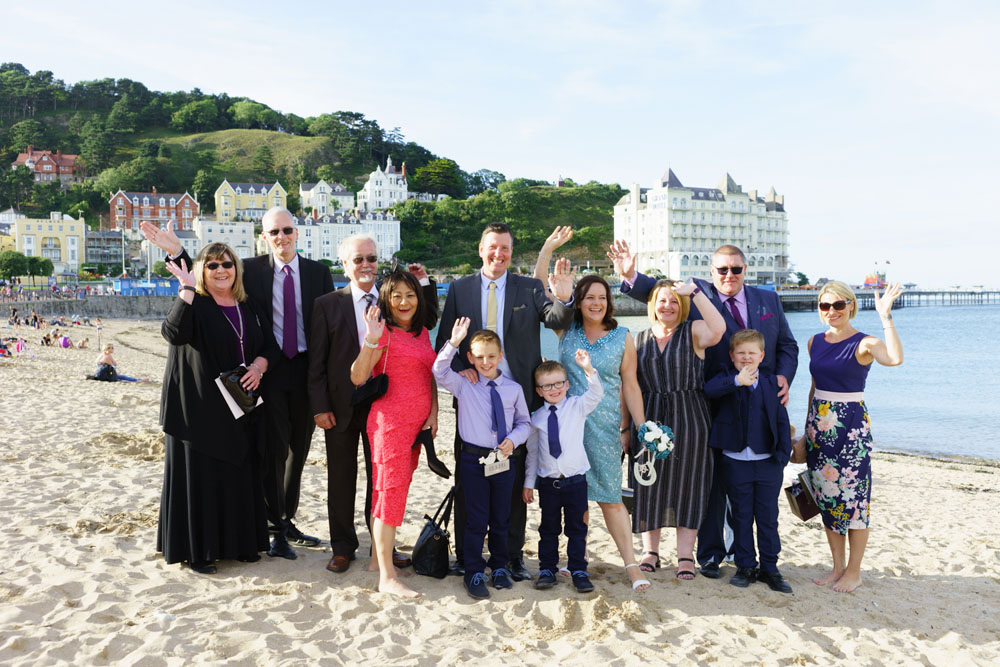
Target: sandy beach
pixel 80 580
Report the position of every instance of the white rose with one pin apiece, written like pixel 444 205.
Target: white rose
pixel 649 437
pixel 662 447
pixel 650 425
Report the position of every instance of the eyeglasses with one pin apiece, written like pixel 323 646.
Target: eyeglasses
pixel 836 305
pixel 371 259
pixel 723 270
pixel 212 266
pixel 553 385
pixel 287 231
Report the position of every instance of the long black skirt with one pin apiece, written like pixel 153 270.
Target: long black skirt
pixel 210 509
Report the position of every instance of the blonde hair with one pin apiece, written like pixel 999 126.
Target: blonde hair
pixel 683 302
pixel 746 336
pixel 842 290
pixel 221 252
pixel 108 347
pixel 486 336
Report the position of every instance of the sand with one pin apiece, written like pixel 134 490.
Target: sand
pixel 81 582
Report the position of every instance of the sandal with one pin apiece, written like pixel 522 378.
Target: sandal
pixel 650 567
pixel 685 575
pixel 638 583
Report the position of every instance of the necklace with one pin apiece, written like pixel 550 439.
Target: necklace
pixel 239 332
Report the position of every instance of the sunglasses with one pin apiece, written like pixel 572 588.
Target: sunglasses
pixel 212 266
pixel 723 270
pixel 836 305
pixel 553 385
pixel 371 259
pixel 287 231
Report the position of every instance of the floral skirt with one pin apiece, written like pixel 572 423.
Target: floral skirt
pixel 838 452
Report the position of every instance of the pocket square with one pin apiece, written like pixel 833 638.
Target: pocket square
pixel 766 316
pixel 521 307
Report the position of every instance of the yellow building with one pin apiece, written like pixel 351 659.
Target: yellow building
pixel 247 201
pixel 58 237
pixel 7 242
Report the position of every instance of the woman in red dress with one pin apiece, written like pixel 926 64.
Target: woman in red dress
pixel 400 347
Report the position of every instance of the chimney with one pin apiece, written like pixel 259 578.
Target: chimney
pixel 58 153
pixel 404 170
pixel 154 190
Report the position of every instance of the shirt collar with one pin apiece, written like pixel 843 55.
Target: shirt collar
pixel 279 266
pixel 357 294
pixel 501 281
pixel 740 297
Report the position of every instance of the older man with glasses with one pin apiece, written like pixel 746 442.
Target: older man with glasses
pixel 283 285
pixel 742 307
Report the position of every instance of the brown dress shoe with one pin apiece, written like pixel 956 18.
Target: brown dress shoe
pixel 339 563
pixel 400 560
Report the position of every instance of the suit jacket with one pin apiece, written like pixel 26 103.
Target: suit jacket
pixel 765 314
pixel 525 306
pixel 333 347
pixel 728 427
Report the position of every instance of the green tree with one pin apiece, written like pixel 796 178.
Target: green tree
pixel 326 173
pixel 263 163
pixel 441 176
pixel 46 267
pixel 482 180
pixel 204 186
pixel 200 116
pixel 12 263
pixel 20 135
pixel 34 268
pixel 802 278
pixel 96 145
pixel 246 114
pixel 16 185
pixel 160 268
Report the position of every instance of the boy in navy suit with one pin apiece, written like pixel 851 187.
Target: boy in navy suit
pixel 752 430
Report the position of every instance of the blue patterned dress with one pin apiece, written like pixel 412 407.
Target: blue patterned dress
pixel 600 435
pixel 839 434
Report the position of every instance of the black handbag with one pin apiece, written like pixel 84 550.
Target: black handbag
pixel 246 399
pixel 374 387
pixel 430 553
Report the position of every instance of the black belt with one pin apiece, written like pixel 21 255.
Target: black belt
pixel 483 451
pixel 560 482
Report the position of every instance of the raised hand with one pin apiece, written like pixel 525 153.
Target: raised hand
pixel 622 259
pixel 747 377
pixel 459 331
pixel 374 326
pixel 685 288
pixel 558 238
pixel 884 303
pixel 418 271
pixel 164 239
pixel 561 282
pixel 181 273
pixel 582 359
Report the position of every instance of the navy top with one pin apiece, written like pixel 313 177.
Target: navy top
pixel 834 367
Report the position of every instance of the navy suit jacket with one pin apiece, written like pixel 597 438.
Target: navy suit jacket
pixel 728 427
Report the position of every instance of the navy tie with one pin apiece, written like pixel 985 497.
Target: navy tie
pixel 554 448
pixel 290 327
pixel 499 420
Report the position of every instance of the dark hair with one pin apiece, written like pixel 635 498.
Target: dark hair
pixel 394 279
pixel 497 228
pixel 581 290
pixel 550 366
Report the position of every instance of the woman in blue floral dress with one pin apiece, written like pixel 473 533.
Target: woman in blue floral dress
pixel 606 433
pixel 838 436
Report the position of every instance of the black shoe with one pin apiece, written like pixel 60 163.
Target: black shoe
pixel 744 577
pixel 501 579
pixel 280 549
pixel 518 572
pixel 457 568
pixel 546 579
pixel 300 539
pixel 774 580
pixel 582 582
pixel 475 585
pixel 204 567
pixel 711 570
pixel 433 462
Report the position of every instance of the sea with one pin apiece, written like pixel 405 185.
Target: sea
pixel 942 401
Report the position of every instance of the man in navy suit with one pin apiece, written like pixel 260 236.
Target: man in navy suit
pixel 742 307
pixel 752 430
pixel 513 306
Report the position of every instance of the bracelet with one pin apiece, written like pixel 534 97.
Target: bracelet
pixel 370 346
pixel 253 364
pixel 624 430
pixel 189 288
pixel 696 292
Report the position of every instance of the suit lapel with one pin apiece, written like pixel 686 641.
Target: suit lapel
pixel 306 288
pixel 731 324
pixel 753 308
pixel 476 296
pixel 348 313
pixel 508 301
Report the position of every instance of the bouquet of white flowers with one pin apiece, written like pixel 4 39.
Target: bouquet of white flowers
pixel 657 441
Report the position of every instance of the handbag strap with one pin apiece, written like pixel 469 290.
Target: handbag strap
pixel 446 506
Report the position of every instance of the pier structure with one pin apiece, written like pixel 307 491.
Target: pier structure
pixel 796 300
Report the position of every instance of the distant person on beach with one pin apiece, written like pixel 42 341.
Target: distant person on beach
pixel 838 439
pixel 107 368
pixel 212 504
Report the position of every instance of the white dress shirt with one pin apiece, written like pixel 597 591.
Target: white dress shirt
pixel 572 414
pixel 360 305
pixel 278 302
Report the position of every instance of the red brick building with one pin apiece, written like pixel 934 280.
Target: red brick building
pixel 128 209
pixel 48 166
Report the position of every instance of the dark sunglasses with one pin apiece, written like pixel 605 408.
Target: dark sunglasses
pixel 212 266
pixel 723 270
pixel 287 231
pixel 836 305
pixel 371 259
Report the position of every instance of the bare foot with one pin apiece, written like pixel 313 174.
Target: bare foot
pixel 828 579
pixel 847 582
pixel 373 567
pixel 397 588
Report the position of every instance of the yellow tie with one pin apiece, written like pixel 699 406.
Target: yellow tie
pixel 491 308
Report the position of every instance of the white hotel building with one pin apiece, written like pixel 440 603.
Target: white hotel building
pixel 320 235
pixel 674 229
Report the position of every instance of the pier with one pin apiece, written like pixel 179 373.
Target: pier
pixel 795 300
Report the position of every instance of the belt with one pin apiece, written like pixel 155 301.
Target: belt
pixel 476 450
pixel 560 482
pixel 840 396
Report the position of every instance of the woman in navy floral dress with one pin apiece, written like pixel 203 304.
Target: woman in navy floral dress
pixel 838 432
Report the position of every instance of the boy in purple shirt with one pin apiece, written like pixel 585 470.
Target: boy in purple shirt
pixel 492 421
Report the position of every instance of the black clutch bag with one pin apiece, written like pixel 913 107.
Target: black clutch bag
pixel 245 399
pixel 374 387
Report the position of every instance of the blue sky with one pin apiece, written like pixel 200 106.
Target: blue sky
pixel 877 121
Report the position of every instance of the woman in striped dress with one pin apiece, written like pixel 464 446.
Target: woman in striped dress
pixel 671 356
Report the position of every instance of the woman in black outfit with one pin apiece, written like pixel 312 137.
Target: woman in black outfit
pixel 212 507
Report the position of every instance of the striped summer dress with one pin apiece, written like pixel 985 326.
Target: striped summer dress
pixel 671 383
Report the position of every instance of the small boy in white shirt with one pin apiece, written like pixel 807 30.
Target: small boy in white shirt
pixel 556 464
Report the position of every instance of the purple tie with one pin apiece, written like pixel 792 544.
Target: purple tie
pixel 290 328
pixel 499 418
pixel 736 312
pixel 555 449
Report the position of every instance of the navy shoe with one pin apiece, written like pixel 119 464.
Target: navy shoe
pixel 744 577
pixel 501 579
pixel 582 582
pixel 710 570
pixel 475 585
pixel 774 580
pixel 546 579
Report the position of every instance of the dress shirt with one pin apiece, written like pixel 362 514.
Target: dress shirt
pixel 475 408
pixel 500 296
pixel 747 454
pixel 740 299
pixel 359 309
pixel 572 414
pixel 278 302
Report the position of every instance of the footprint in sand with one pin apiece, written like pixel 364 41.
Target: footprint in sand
pixel 144 446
